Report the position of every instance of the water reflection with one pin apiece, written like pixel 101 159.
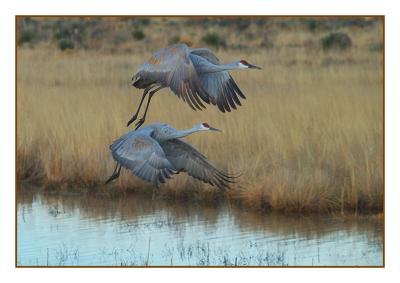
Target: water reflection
pixel 132 230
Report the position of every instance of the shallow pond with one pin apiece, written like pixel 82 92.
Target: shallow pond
pixel 133 230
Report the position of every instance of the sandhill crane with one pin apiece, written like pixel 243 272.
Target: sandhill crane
pixel 155 152
pixel 195 75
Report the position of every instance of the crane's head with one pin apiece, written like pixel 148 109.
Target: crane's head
pixel 243 64
pixel 205 127
pixel 135 79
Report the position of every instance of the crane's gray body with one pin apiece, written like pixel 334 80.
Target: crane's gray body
pixel 155 152
pixel 195 75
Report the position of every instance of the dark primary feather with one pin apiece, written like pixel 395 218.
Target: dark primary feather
pixel 219 85
pixel 185 157
pixel 186 84
pixel 222 89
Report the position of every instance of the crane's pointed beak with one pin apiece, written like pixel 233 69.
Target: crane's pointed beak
pixel 254 67
pixel 215 129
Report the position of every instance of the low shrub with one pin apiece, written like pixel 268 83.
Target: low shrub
pixel 214 40
pixel 26 36
pixel 336 41
pixel 65 43
pixel 138 35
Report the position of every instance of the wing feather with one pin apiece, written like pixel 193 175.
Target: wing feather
pixel 143 156
pixel 185 157
pixel 223 90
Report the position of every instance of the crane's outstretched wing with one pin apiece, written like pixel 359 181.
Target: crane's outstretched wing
pixel 144 156
pixel 185 157
pixel 219 85
pixel 172 67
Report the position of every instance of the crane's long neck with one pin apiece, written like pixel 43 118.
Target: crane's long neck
pixel 203 66
pixel 230 66
pixel 220 68
pixel 169 133
pixel 184 133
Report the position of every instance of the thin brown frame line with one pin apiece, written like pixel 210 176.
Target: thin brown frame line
pixel 381 17
pixel 205 16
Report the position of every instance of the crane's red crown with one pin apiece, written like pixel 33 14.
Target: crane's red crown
pixel 244 62
pixel 205 125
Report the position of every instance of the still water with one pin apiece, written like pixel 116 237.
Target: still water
pixel 69 230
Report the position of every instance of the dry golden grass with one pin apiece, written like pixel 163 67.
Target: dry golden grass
pixel 308 137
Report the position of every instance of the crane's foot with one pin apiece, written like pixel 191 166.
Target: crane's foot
pixel 115 174
pixel 112 177
pixel 134 117
pixel 139 123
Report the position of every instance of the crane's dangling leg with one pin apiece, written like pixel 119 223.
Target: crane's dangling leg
pixel 140 105
pixel 115 174
pixel 141 120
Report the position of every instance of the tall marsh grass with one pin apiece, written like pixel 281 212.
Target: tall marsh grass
pixel 308 137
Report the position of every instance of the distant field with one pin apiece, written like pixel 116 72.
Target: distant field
pixel 308 137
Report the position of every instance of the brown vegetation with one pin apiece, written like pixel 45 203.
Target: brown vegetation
pixel 308 137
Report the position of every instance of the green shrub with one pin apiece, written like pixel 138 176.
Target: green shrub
pixel 214 40
pixel 138 35
pixel 66 43
pixel 336 41
pixel 145 21
pixel 62 34
pixel 137 21
pixel 71 29
pixel 26 36
pixel 376 47
pixel 311 24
